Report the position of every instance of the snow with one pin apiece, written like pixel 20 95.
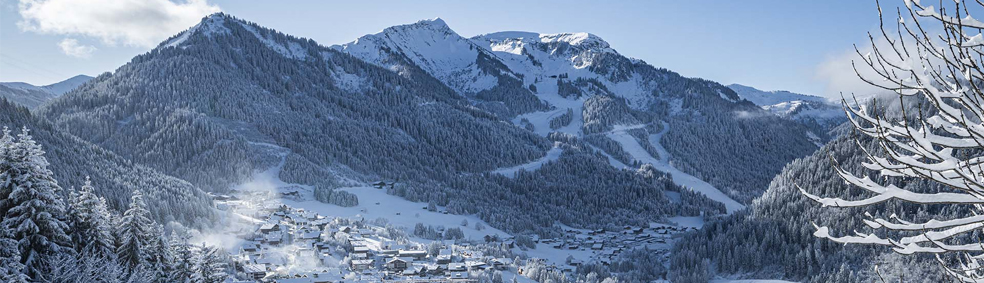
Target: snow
pixel 763 98
pixel 399 211
pixel 292 50
pixel 551 155
pixel 749 281
pixel 431 45
pixel 632 146
pixel 689 221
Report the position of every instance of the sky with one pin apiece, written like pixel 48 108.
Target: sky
pixel 800 46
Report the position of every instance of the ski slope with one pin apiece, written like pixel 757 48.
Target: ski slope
pixel 631 145
pixel 552 155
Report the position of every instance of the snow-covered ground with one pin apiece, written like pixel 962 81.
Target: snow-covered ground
pixel 632 146
pixel 552 155
pixel 749 281
pixel 375 203
pixel 547 91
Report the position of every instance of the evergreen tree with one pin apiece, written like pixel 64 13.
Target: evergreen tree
pixel 160 256
pixel 11 269
pixel 92 222
pixel 6 142
pixel 183 259
pixel 209 267
pixel 34 219
pixel 135 232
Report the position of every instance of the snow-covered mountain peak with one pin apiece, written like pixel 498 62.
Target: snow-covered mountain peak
pixel 432 46
pixel 578 39
pixel 210 25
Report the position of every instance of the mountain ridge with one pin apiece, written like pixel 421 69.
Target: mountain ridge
pixel 32 96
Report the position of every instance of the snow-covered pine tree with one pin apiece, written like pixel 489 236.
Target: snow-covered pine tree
pixel 183 263
pixel 11 269
pixel 161 258
pixel 136 232
pixel 91 218
pixel 6 142
pixel 34 218
pixel 209 266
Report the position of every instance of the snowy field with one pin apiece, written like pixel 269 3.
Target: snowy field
pixel 375 203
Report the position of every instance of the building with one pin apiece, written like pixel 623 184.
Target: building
pixel 396 264
pixel 255 271
pixel 362 264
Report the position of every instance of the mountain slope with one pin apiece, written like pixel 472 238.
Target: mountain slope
pixel 774 237
pixel 227 97
pixel 204 105
pixel 32 96
pixel 73 159
pixel 816 113
pixel 763 98
pixel 566 70
pixel 430 46
pixel 712 135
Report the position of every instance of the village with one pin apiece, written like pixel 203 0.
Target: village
pixel 280 243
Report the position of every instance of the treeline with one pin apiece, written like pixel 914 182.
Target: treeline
pixel 774 237
pixel 49 234
pixel 73 160
pixel 580 189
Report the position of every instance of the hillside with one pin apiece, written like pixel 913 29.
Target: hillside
pixel 32 96
pixel 568 72
pixel 73 159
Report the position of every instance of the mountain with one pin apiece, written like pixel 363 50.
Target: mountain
pixel 431 47
pixel 707 122
pixel 764 98
pixel 816 113
pixel 114 177
pixel 32 96
pixel 227 98
pixel 774 238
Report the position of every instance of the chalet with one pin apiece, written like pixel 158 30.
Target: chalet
pixel 418 255
pixel 362 264
pixel 443 259
pixel 379 185
pixel 360 250
pixel 251 246
pixel 597 246
pixel 269 227
pixel 501 263
pixel 458 275
pixel 457 267
pixel 255 271
pixel 476 265
pixel 396 264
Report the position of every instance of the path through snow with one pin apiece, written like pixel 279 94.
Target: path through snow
pixel 631 145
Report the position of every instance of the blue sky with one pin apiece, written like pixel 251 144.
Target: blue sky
pixel 788 45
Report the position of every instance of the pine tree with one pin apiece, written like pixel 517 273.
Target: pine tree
pixel 161 258
pixel 209 267
pixel 11 269
pixel 92 222
pixel 135 232
pixel 183 261
pixel 34 219
pixel 6 142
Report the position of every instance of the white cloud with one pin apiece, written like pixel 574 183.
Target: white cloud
pixel 839 76
pixel 71 47
pixel 143 23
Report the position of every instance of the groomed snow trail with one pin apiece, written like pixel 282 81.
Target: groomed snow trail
pixel 552 155
pixel 632 146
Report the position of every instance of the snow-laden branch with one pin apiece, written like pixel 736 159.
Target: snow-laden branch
pixel 942 143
